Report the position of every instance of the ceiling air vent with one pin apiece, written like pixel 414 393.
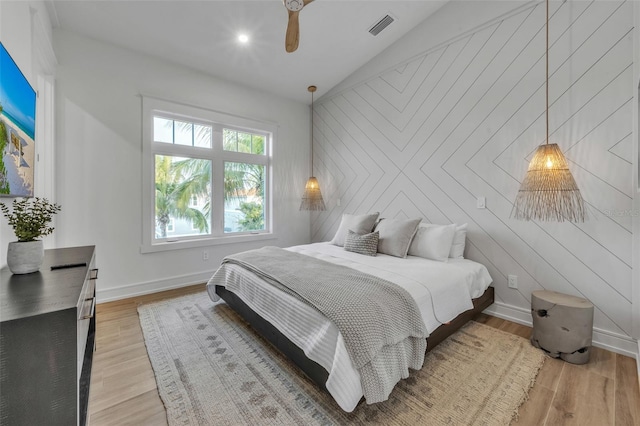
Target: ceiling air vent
pixel 381 25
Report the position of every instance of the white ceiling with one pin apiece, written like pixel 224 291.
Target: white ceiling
pixel 334 37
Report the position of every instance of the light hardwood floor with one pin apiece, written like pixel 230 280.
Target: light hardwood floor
pixel 123 388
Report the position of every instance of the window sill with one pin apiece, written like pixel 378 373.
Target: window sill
pixel 205 242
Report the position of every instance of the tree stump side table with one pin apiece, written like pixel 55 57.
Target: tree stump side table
pixel 562 325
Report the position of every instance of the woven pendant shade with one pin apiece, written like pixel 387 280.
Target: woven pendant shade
pixel 548 191
pixel 312 197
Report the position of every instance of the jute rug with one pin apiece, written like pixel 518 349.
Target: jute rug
pixel 212 369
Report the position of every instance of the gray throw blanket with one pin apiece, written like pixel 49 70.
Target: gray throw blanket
pixel 380 322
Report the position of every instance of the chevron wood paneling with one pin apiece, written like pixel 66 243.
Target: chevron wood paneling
pixel 430 135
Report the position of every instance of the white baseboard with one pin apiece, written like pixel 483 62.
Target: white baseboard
pixel 509 312
pixel 139 289
pixel 604 339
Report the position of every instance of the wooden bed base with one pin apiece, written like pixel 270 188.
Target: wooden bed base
pixel 446 330
pixel 311 368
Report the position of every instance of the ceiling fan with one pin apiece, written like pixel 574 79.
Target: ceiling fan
pixel 293 28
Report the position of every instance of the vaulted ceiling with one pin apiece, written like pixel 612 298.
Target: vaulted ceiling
pixel 334 36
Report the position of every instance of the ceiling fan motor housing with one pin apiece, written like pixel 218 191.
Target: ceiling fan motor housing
pixel 294 5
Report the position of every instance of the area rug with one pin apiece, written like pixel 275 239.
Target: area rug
pixel 213 369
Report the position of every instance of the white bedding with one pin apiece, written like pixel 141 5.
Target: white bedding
pixel 442 291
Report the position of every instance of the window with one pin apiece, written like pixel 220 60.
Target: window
pixel 243 142
pixel 206 176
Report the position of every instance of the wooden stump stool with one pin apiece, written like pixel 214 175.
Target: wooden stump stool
pixel 562 325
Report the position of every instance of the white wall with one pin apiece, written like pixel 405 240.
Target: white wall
pixel 25 31
pixel 636 229
pixel 99 160
pixel 454 111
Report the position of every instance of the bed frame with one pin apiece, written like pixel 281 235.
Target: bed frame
pixel 311 368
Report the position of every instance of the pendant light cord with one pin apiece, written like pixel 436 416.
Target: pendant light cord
pixel 546 75
pixel 312 134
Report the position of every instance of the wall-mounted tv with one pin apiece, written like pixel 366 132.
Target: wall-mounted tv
pixel 17 129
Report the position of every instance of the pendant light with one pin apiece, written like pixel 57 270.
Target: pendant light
pixel 312 197
pixel 548 191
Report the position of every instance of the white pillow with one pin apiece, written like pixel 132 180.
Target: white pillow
pixel 361 224
pixel 433 241
pixel 396 235
pixel 459 239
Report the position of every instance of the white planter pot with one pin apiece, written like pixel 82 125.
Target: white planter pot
pixel 25 257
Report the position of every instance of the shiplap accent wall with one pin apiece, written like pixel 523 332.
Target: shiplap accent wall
pixel 428 136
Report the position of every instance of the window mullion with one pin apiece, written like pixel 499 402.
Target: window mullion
pixel 241 157
pixel 217 198
pixel 217 185
pixel 182 151
pixel 216 140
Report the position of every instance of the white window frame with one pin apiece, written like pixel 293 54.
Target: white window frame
pixel 172 110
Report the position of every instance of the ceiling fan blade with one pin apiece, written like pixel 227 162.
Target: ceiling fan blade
pixel 293 32
pixel 306 2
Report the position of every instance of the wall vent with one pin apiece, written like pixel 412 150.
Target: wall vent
pixel 381 25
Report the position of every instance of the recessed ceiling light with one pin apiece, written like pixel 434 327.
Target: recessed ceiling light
pixel 243 38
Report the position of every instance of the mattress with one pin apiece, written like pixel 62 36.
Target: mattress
pixel 442 291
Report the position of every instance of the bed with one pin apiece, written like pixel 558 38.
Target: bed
pixel 447 293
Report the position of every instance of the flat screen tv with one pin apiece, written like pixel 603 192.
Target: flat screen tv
pixel 17 129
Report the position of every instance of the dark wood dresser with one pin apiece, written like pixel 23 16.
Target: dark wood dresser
pixel 47 339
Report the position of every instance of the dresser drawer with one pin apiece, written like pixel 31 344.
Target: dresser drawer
pixel 88 293
pixel 83 331
pixel 86 311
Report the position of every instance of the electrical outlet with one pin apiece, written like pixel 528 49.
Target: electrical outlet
pixel 513 281
pixel 205 255
pixel 481 203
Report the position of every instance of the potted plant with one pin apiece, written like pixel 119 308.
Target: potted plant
pixel 30 219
